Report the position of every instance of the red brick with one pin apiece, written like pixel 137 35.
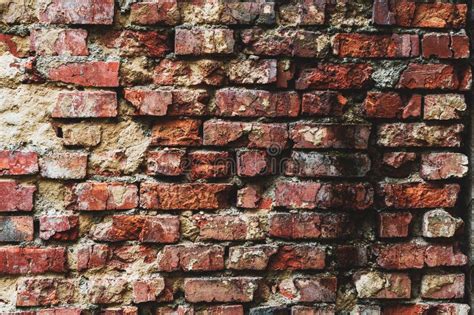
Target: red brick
pixel 77 12
pixel 323 103
pixel 229 227
pixel 420 195
pixel 314 164
pixel 326 135
pixel 97 196
pixel 350 256
pixel 303 12
pixel 400 256
pixel 106 290
pixel 191 258
pixel 376 46
pixel 45 291
pixel 252 163
pixel 430 76
pixel 158 12
pixel 406 309
pixel 18 163
pixel 184 196
pixel 440 255
pixel 285 72
pixel 137 43
pixel 52 42
pixel 285 42
pixel 187 73
pixel 202 41
pixel 16 229
pixel 60 311
pixel 183 132
pixel 249 197
pixel 32 260
pixel 148 289
pixel 444 106
pixel 310 289
pixel 419 135
pixel 233 102
pixel 168 162
pixel 16 197
pixel 252 71
pixel 227 13
pixel 394 224
pixel 60 227
pixel 250 258
pixel 460 45
pixel 436 166
pixel 299 257
pixel 307 225
pixel 93 73
pixel 310 195
pixel 85 105
pixel 220 289
pixel 392 105
pixel 443 45
pixel 243 134
pixel 146 229
pixel 179 310
pixel 64 165
pixel 410 14
pixel 222 309
pixel 398 160
pixel 174 102
pixel 378 285
pixel 313 310
pixel 335 76
pixel 442 286
pixel 209 164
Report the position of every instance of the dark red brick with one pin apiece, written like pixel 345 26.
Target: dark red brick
pixel 394 224
pixel 420 195
pixel 299 257
pixel 392 105
pixel 335 76
pixel 32 260
pixel 323 103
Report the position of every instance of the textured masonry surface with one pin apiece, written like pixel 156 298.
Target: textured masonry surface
pixel 234 157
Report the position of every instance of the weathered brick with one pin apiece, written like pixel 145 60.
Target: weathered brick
pixel 202 41
pixel 323 103
pixel 230 227
pixel 285 42
pixel 250 197
pixel 313 310
pixel 400 256
pixel 177 132
pixel 397 160
pixel 148 289
pixel 308 225
pixel 392 105
pixel 420 195
pixel 168 102
pixel 52 42
pixel 228 13
pixel 411 14
pixel 253 163
pixel 314 164
pixel 188 73
pixel 184 196
pixel 232 102
pixel 299 257
pixel 18 46
pixel 85 104
pixel 137 43
pixel 376 46
pixel 250 258
pixel 93 73
pixel 442 286
pixel 436 166
pixel 220 289
pixel 209 164
pixel 32 260
pixel 155 12
pixel 125 310
pixel 18 163
pixel 439 223
pixel 222 309
pixel 310 289
pixel 394 224
pixel 14 12
pixel 445 46
pixel 106 290
pixel 444 106
pixel 335 76
pixel 252 71
pixel 191 258
pixel 167 162
pixel 16 197
pixel 97 196
pixel 310 195
pixel 302 12
pixel 431 77
pixel 444 308
pixel 77 12
pixel 440 255
pixel 60 311
pixel 419 135
pixel 243 134
pixel 80 135
pixel 378 285
pixel 350 256
pixel 16 229
pixel 64 165
pixel 45 291
pixel 59 227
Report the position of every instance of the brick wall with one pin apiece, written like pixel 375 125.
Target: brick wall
pixel 224 157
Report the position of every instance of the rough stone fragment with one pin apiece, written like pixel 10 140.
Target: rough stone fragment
pixel 188 73
pixel 251 71
pixel 444 106
pixel 439 223
pixel 158 12
pixel 250 258
pixel 436 166
pixel 442 286
pixel 51 42
pixel 80 135
pixel 419 135
pixel 378 285
pixel 64 165
pixel 229 227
